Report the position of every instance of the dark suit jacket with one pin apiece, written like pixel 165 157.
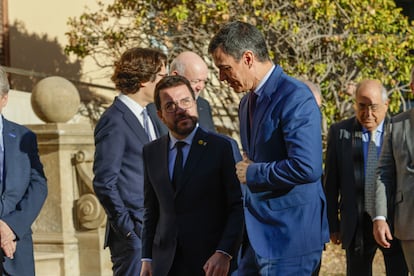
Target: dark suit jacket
pixel 205 117
pixel 119 172
pixel 284 203
pixel 345 178
pixel 204 213
pixel 24 190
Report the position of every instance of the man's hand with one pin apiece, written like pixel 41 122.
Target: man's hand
pixel 241 168
pixel 336 238
pixel 7 240
pixel 382 233
pixel 146 269
pixel 217 265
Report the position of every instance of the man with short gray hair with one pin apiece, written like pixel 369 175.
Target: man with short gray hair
pixel 352 151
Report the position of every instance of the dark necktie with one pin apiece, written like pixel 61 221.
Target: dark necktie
pixel 252 107
pixel 370 176
pixel 178 164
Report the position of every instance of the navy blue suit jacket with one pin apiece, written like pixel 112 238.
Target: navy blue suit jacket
pixel 284 201
pixel 119 172
pixel 24 190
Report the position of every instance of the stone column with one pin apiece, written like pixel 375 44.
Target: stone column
pixel 69 232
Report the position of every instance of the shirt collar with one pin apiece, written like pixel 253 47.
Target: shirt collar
pixel 188 140
pixel 379 129
pixel 259 89
pixel 130 103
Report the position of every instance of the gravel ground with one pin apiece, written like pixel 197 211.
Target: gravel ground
pixel 333 262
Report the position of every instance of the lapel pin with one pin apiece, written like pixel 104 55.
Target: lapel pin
pixel 201 142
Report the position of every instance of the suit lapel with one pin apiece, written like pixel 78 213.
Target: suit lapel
pixel 409 134
pixel 263 103
pixel 198 146
pixel 357 155
pixel 163 154
pixel 9 143
pixel 132 121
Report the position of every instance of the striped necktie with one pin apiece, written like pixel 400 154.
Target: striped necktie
pixel 370 176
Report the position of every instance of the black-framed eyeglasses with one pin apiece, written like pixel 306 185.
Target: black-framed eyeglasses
pixel 185 103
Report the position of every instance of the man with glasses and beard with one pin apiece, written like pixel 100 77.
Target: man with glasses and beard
pixel 193 217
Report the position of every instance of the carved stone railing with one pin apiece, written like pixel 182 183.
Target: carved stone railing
pixel 89 213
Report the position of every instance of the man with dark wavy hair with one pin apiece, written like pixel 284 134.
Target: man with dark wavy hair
pixel 120 135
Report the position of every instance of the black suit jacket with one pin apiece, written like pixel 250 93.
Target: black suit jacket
pixel 205 117
pixel 344 178
pixel 205 212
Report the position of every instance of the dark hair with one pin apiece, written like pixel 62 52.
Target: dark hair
pixel 237 37
pixel 167 82
pixel 136 66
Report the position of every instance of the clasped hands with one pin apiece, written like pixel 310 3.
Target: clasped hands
pixel 7 240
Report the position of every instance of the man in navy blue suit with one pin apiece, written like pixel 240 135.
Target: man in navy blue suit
pixel 280 130
pixel 120 135
pixel 23 190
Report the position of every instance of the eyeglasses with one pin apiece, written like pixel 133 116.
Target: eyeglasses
pixel 185 103
pixel 197 81
pixel 371 107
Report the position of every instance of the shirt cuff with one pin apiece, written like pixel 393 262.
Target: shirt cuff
pixel 225 253
pixel 379 218
pixel 146 260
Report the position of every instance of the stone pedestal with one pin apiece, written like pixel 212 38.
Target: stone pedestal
pixel 69 232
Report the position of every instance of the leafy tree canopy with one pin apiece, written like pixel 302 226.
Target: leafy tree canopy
pixel 334 43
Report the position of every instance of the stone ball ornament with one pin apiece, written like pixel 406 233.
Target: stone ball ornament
pixel 55 100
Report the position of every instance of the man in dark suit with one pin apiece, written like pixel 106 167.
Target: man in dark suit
pixel 23 191
pixel 120 135
pixel 349 214
pixel 193 217
pixel 193 68
pixel 280 129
